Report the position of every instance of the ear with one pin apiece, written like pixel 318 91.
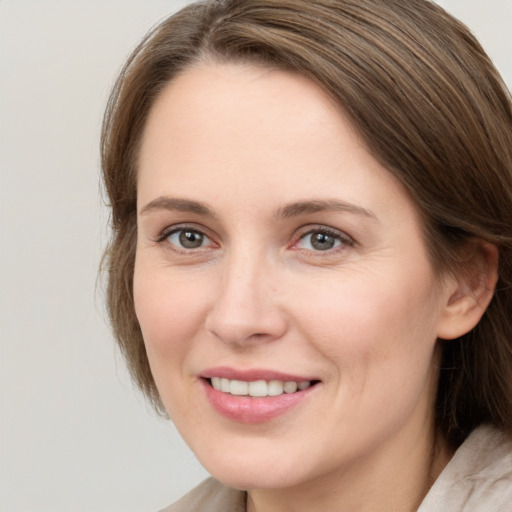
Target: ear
pixel 469 293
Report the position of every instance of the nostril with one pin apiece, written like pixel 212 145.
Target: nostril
pixel 257 322
pixel 258 335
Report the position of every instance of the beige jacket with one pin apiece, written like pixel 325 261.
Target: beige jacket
pixel 477 479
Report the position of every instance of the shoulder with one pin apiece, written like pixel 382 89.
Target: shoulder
pixel 210 496
pixel 478 478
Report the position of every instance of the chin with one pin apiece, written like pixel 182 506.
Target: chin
pixel 250 478
pixel 260 468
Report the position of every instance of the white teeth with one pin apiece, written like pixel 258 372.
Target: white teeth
pixel 275 388
pixel 225 385
pixel 258 388
pixel 239 387
pixel 216 383
pixel 290 387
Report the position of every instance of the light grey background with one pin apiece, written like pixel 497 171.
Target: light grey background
pixel 75 436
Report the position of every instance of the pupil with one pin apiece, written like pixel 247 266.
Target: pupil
pixel 191 239
pixel 322 241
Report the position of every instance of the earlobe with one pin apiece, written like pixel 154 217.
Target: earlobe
pixel 469 294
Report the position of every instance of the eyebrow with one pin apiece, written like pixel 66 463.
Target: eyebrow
pixel 288 211
pixel 318 205
pixel 176 204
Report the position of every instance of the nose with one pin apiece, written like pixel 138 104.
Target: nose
pixel 246 307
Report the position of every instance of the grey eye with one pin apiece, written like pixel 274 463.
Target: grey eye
pixel 319 241
pixel 322 241
pixel 187 239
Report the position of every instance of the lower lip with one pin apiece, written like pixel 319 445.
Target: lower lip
pixel 245 409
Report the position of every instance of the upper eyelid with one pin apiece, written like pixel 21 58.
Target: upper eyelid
pixel 162 240
pixel 346 241
pixel 320 228
pixel 169 230
pixel 306 230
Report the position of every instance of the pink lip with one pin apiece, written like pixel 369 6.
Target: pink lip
pixel 246 409
pixel 252 375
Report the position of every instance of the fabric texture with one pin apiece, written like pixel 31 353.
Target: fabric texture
pixel 210 496
pixel 477 479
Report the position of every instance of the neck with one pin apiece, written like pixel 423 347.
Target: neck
pixel 395 479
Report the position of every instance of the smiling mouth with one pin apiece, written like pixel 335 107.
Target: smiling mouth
pixel 259 388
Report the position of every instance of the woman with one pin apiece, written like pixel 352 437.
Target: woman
pixel 311 262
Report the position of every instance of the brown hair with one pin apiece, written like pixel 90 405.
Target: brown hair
pixel 431 108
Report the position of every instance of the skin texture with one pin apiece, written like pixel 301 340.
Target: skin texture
pixel 362 317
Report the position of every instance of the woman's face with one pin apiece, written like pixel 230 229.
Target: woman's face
pixel 274 252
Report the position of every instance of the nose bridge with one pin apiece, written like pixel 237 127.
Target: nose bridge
pixel 245 305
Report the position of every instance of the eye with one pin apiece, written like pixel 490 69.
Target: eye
pixel 322 240
pixel 187 239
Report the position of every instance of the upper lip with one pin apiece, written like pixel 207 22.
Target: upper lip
pixel 253 374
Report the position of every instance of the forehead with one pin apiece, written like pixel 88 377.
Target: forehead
pixel 257 132
pixel 237 103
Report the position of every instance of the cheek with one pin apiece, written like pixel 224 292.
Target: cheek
pixel 168 312
pixel 379 336
pixel 372 322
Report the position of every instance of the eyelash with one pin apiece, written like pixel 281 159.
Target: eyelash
pixel 341 238
pixel 168 232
